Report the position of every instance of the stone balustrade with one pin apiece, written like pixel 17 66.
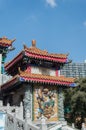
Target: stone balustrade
pixel 15 120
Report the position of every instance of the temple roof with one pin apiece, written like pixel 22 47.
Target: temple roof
pixel 5 42
pixel 52 80
pixel 39 78
pixel 35 50
pixel 36 53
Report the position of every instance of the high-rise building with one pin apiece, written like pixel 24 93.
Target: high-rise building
pixel 74 70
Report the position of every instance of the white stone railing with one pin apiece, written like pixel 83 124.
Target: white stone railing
pixel 11 109
pixel 14 123
pixel 14 120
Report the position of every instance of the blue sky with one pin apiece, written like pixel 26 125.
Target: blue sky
pixel 59 26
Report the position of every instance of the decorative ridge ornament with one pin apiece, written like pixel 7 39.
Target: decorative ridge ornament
pixel 13 39
pixel 25 47
pixel 33 43
pixel 19 70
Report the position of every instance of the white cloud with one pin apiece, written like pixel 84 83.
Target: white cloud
pixel 84 23
pixel 52 3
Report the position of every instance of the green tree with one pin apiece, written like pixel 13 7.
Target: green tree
pixel 78 100
pixel 75 99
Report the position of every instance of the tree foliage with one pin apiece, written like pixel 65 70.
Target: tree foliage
pixel 75 99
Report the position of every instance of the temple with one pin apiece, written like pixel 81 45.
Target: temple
pixel 36 81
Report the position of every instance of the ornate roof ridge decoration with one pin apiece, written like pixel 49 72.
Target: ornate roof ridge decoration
pixel 4 41
pixel 59 78
pixel 25 47
pixel 19 70
pixel 35 50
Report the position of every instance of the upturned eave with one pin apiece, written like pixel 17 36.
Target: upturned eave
pixel 39 79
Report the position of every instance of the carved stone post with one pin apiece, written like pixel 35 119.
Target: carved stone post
pixel 1 103
pixel 83 126
pixel 60 105
pixel 27 119
pixel 15 120
pixel 73 126
pixel 28 100
pixel 20 109
pixel 8 107
pixel 6 122
pixel 43 123
pixel 6 116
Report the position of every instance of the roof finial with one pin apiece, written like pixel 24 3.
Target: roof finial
pixel 13 39
pixel 19 70
pixel 33 43
pixel 25 47
pixel 4 37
